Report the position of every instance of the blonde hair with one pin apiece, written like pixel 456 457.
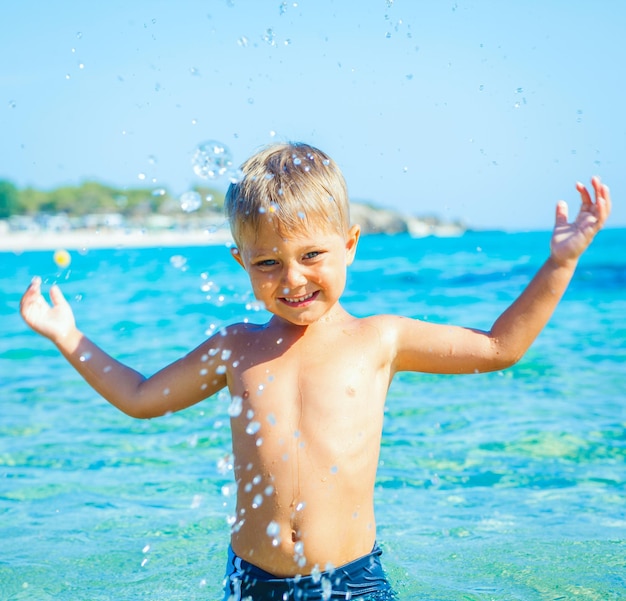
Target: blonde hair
pixel 294 186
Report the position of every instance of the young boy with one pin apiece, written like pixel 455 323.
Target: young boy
pixel 309 386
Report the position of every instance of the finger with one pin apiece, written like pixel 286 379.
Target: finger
pixel 584 195
pixel 606 195
pixel 35 285
pixel 56 296
pixel 34 289
pixel 603 200
pixel 561 213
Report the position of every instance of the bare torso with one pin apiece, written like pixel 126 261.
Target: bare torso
pixel 306 441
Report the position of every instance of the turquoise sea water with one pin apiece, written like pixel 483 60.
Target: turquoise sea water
pixel 504 486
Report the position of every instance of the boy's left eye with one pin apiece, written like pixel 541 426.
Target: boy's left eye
pixel 312 254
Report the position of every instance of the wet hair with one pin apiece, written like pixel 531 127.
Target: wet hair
pixel 293 186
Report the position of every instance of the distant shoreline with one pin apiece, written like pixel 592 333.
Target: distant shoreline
pixel 44 240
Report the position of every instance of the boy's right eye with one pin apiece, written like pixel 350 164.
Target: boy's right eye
pixel 266 263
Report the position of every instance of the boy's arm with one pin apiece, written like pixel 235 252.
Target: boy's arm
pixel 434 348
pixel 179 385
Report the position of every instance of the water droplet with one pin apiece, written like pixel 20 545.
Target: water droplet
pixel 269 37
pixel 228 490
pixel 85 357
pixel 220 370
pixel 159 192
pixel 316 575
pixel 334 469
pixel 226 354
pixel 190 201
pixel 178 261
pixel 268 490
pixel 146 549
pixel 225 464
pixel 273 529
pixel 326 589
pixel 300 506
pixel 253 428
pixel 211 159
pixel 257 501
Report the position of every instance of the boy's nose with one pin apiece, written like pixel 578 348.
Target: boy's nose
pixel 293 277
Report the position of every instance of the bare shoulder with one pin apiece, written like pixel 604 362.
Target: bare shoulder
pixel 390 327
pixel 378 332
pixel 239 334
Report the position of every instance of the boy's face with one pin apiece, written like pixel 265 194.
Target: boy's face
pixel 299 279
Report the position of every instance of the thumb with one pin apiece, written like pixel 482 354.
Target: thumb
pixel 561 213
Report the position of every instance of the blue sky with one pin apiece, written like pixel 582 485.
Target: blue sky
pixel 486 111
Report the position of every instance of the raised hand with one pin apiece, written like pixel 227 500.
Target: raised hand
pixel 53 321
pixel 569 240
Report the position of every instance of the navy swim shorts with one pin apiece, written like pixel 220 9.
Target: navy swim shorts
pixel 362 579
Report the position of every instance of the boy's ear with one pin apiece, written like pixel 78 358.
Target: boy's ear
pixel 234 251
pixel 352 239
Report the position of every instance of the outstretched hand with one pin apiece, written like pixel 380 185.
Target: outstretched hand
pixel 569 240
pixel 52 321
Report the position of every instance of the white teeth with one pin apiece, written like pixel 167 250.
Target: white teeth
pixel 299 299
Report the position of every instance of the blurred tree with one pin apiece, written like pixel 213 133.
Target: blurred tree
pixel 9 199
pixel 95 197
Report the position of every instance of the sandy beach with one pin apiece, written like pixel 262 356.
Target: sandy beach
pixel 91 239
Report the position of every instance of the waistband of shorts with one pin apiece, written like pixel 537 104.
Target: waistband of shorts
pixel 260 574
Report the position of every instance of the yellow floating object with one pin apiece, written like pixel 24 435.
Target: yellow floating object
pixel 62 258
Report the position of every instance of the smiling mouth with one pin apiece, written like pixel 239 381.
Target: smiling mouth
pixel 298 301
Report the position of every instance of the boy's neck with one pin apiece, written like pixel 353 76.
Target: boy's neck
pixel 333 317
